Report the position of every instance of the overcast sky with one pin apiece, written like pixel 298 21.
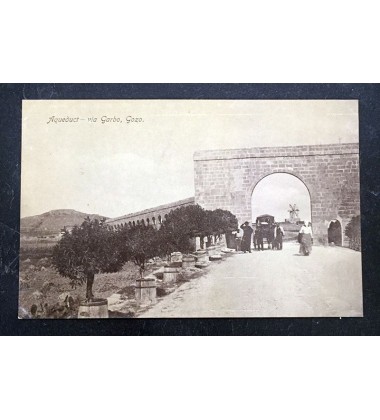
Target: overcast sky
pixel 274 193
pixel 116 168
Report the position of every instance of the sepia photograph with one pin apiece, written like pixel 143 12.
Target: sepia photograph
pixel 190 202
pixel 190 209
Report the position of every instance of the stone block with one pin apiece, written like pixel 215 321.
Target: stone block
pixel 145 290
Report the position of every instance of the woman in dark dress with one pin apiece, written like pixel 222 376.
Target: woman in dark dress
pixel 247 237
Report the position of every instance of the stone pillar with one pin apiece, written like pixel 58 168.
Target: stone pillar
pixel 201 257
pixel 145 289
pixel 170 273
pixel 215 253
pixel 176 259
pixel 211 250
pixel 98 308
pixel 188 261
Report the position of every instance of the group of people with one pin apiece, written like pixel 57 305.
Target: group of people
pixel 243 238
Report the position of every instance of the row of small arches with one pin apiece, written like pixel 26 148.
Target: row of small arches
pixel 142 222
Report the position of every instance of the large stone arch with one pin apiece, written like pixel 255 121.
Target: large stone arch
pixel 292 173
pixel 225 179
pixel 254 184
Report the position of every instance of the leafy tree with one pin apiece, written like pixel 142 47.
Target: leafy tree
pixel 182 225
pixel 87 250
pixel 137 244
pixel 179 228
pixel 223 221
pixel 220 222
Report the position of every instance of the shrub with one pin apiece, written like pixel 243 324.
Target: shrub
pixel 352 231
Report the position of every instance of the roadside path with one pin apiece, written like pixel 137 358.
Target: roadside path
pixel 271 284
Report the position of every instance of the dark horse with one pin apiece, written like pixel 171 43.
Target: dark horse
pixel 264 232
pixel 265 224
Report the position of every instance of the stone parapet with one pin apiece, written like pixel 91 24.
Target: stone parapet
pixel 288 151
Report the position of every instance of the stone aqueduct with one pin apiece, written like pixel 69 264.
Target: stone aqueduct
pixel 153 216
pixel 226 179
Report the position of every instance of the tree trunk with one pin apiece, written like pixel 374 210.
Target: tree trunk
pixel 90 282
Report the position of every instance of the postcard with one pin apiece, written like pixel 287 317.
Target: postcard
pixel 190 209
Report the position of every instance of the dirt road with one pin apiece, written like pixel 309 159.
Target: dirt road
pixel 271 284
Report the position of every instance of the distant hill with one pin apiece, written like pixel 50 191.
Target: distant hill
pixel 52 222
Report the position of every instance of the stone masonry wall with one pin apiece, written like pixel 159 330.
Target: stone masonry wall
pixel 226 179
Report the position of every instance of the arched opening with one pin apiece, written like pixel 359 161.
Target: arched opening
pixel 159 219
pixel 130 224
pixel 334 233
pixel 285 198
pixel 147 221
pixel 153 220
pixel 134 223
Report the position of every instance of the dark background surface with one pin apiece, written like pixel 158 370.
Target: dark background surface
pixel 11 96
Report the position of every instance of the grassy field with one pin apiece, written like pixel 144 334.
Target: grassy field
pixel 41 285
pixel 38 275
pixel 36 248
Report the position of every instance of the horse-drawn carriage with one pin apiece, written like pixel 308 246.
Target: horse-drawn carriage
pixel 265 225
